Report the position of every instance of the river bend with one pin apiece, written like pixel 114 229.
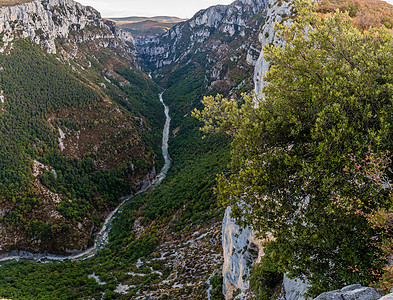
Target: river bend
pixel 103 236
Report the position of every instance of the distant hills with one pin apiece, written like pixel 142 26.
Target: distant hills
pixel 4 3
pixel 147 25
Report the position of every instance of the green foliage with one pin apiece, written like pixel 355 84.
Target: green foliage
pixel 328 99
pixel 265 278
pixel 47 281
pixel 191 178
pixel 32 85
pixel 140 93
pixel 216 283
pixel 36 86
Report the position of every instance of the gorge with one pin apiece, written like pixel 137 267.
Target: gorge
pixel 101 238
pixel 82 126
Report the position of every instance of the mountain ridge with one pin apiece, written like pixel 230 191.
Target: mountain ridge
pixel 146 26
pixel 228 19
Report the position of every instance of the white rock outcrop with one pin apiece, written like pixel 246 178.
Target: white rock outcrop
pixel 44 21
pixel 224 21
pixel 294 289
pixel 351 292
pixel 241 251
pixel 278 11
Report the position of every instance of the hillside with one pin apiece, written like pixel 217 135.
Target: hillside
pixel 82 126
pixel 79 129
pixel 5 3
pixel 146 26
pixel 164 19
pixel 365 14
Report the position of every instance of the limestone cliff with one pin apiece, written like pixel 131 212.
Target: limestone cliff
pixel 278 11
pixel 227 21
pixel 241 251
pixel 44 21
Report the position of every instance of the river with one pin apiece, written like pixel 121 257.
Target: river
pixel 165 138
pixel 103 235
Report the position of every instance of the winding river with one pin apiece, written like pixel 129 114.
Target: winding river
pixel 103 235
pixel 165 138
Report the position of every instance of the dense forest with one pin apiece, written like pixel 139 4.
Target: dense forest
pixel 189 183
pixel 40 95
pixel 310 163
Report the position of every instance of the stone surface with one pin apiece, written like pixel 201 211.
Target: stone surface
pixel 44 21
pixel 387 297
pixel 294 289
pixel 278 11
pixel 351 292
pixel 241 251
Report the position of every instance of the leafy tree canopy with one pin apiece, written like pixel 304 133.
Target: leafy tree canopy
pixel 296 153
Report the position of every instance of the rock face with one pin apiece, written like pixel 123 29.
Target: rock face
pixel 241 250
pixel 278 11
pixel 44 21
pixel 241 247
pixel 294 289
pixel 237 242
pixel 180 41
pixel 352 292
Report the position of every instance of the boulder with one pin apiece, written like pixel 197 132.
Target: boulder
pixel 351 292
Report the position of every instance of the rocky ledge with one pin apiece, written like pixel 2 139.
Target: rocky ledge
pixel 44 21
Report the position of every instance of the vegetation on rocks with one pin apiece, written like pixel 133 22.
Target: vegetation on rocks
pixel 328 105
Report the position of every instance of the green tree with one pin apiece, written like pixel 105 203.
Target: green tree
pixel 328 103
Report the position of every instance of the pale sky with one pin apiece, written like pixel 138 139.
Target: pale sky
pixel 150 8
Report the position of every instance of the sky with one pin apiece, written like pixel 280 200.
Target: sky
pixel 150 8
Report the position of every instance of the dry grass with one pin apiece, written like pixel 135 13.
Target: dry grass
pixel 365 13
pixel 4 3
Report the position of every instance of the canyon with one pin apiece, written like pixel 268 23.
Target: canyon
pixel 171 240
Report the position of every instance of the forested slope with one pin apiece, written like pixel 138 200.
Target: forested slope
pixel 79 129
pixel 167 242
pixel 180 215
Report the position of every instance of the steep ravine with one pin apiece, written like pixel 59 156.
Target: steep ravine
pixel 103 235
